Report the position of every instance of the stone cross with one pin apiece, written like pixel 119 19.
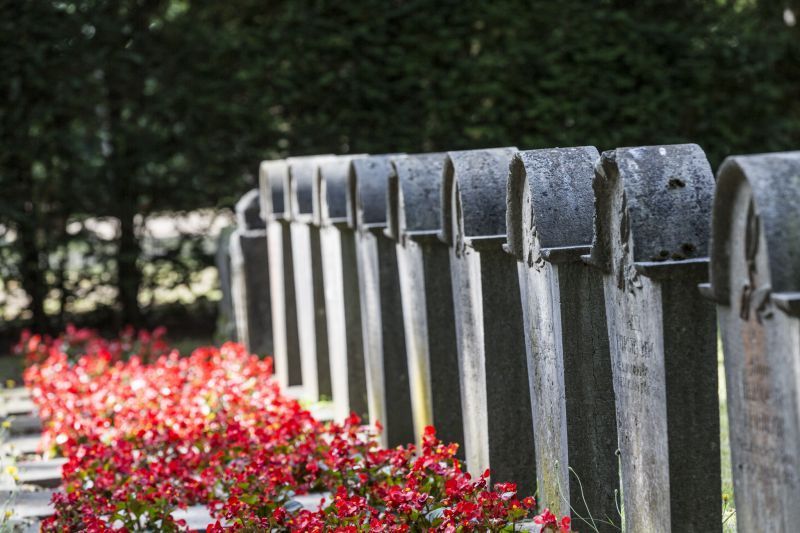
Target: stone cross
pixel 308 282
pixel 489 323
pixel 755 279
pixel 549 220
pixel 381 309
pixel 273 176
pixel 249 277
pixel 340 276
pixel 426 292
pixel 652 207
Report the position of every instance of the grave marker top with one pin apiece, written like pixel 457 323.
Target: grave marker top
pixel 666 204
pixel 559 183
pixel 273 176
pixel 367 183
pixel 479 177
pixel 302 173
pixel 248 211
pixel 330 190
pixel 414 188
pixel 775 183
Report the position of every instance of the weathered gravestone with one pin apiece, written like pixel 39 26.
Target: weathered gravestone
pixel 340 276
pixel 381 309
pixel 549 220
pixel 652 206
pixel 273 176
pixel 755 279
pixel 309 289
pixel 250 278
pixel 489 324
pixel 226 322
pixel 426 291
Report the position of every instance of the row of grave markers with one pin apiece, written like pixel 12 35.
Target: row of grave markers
pixel 550 311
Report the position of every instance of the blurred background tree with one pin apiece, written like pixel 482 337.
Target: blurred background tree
pixel 123 110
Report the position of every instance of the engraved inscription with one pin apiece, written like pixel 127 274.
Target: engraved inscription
pixel 766 459
pixel 634 375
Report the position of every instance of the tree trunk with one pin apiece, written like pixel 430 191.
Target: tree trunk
pixel 33 275
pixel 129 276
pixel 122 181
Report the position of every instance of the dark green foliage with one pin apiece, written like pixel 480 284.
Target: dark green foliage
pixel 119 107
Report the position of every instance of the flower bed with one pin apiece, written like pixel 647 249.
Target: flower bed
pixel 147 432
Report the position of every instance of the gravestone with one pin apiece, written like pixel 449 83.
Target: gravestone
pixel 250 294
pixel 273 176
pixel 226 322
pixel 549 220
pixel 652 206
pixel 423 263
pixel 309 289
pixel 340 281
pixel 489 323
pixel 755 279
pixel 388 393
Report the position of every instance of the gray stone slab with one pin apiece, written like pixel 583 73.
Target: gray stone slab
pixel 226 322
pixel 295 392
pixel 341 292
pixel 549 221
pixel 388 392
pixel 250 290
pixel 650 241
pixel 426 294
pixel 21 444
pixel 248 211
pixel 27 504
pixel 273 176
pixel 23 424
pixel 17 406
pixel 312 501
pixel 755 276
pixel 308 278
pixel 498 427
pixel 197 517
pixel 14 393
pixel 41 473
pixel 36 504
pixel 323 411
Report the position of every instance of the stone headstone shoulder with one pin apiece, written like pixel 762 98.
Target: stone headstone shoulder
pixel 560 195
pixel 368 182
pixel 273 178
pixel 226 321
pixel 330 190
pixel 248 211
pixel 341 292
pixel 481 177
pixel 496 408
pixel 381 307
pixel 308 277
pixel 549 220
pixel 249 279
pixel 755 279
pixel 423 262
pixel 652 206
pixel 414 205
pixel 303 173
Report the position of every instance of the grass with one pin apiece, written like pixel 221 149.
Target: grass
pixel 729 516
